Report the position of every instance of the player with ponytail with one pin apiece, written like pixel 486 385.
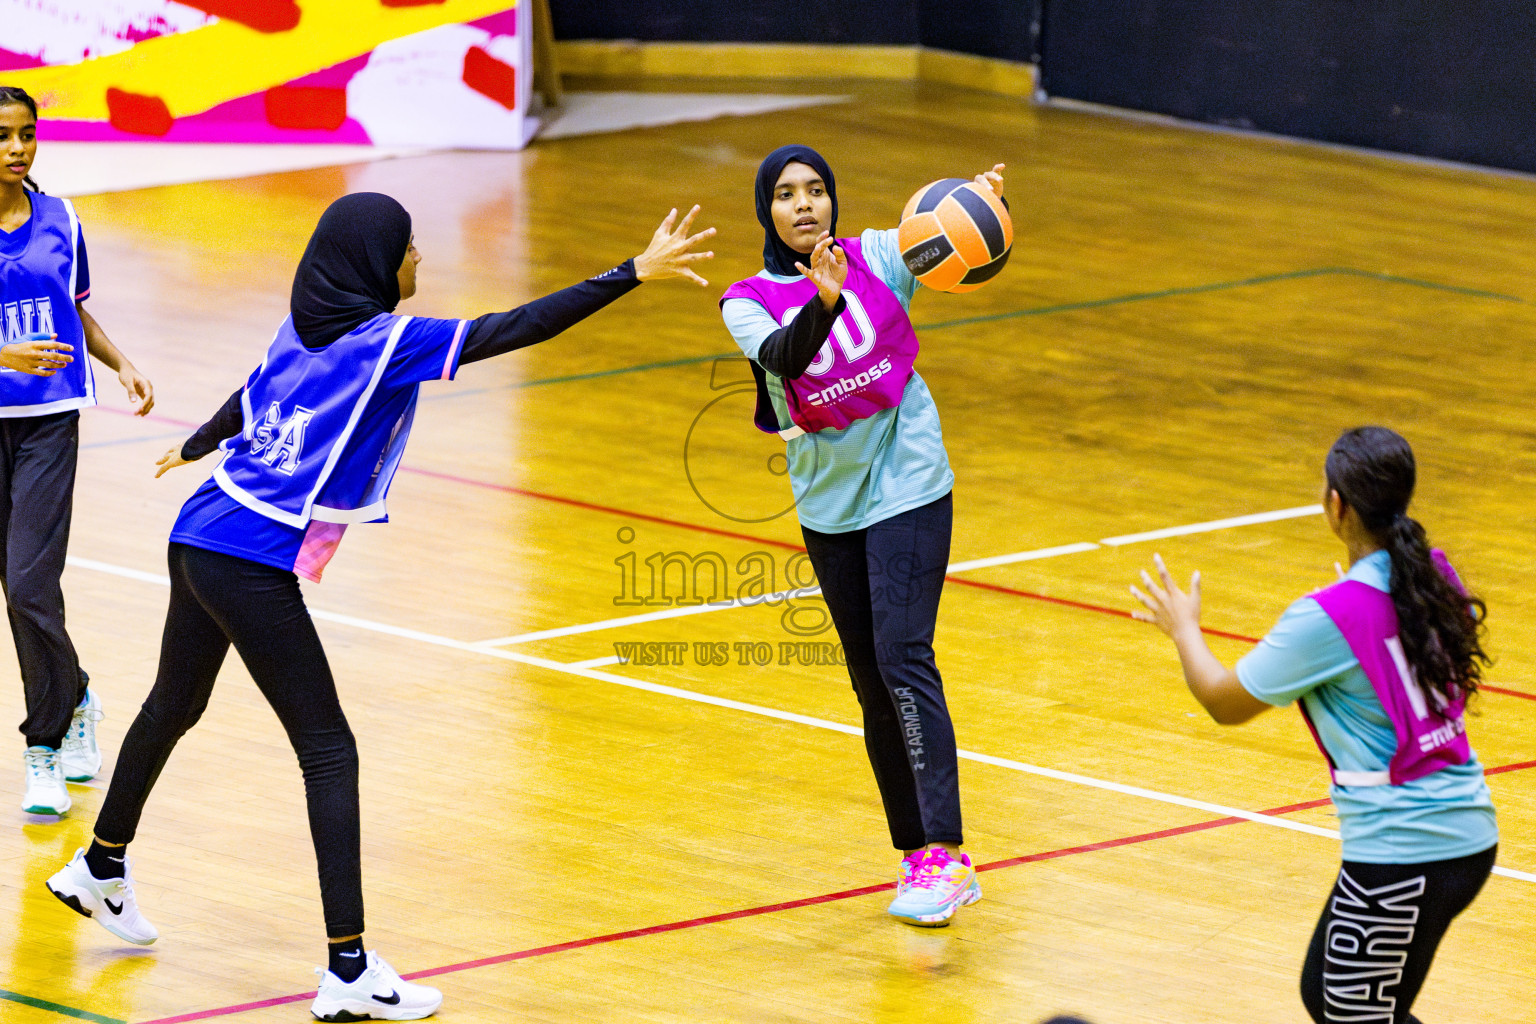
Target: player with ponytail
pixel 1381 664
pixel 1371 469
pixel 44 282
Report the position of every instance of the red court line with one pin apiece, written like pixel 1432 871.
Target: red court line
pixel 698 528
pixel 1484 687
pixel 698 922
pixel 772 908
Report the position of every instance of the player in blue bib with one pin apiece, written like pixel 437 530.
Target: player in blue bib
pixel 311 443
pixel 44 282
pixel 1381 664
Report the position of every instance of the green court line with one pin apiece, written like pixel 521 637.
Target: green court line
pixel 1246 282
pixel 589 376
pixel 1064 307
pixel 1435 285
pixel 68 1011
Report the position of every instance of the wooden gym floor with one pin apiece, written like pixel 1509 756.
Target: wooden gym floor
pixel 1188 320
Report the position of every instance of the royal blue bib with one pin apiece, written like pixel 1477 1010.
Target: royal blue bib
pixel 37 295
pixel 308 451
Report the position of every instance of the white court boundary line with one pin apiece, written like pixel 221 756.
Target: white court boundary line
pixel 581 669
pixel 975 563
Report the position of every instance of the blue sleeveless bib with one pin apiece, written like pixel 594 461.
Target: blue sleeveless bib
pixel 302 456
pixel 37 295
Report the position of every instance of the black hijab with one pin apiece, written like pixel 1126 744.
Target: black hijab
pixel 347 275
pixel 778 257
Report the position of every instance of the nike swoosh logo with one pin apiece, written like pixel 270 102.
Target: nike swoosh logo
pixel 390 1000
pixel 115 908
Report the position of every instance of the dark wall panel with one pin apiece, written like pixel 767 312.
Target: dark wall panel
pixel 741 21
pixel 1004 29
pixel 990 28
pixel 1442 78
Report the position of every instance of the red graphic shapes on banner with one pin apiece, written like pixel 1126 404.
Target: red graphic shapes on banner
pixel 261 15
pixel 490 77
pixel 290 106
pixel 141 115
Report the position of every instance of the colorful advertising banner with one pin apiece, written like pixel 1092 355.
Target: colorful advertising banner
pixel 429 73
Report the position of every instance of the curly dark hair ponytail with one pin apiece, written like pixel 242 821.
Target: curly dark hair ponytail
pixel 1439 624
pixel 10 94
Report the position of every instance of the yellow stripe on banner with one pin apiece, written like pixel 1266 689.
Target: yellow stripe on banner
pixel 194 71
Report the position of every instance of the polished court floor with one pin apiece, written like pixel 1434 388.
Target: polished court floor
pixel 550 834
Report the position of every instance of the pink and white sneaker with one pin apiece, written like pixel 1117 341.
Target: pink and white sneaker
pixel 908 868
pixel 938 884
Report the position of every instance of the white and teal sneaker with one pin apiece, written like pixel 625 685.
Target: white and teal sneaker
pixel 80 754
pixel 107 901
pixel 46 792
pixel 377 994
pixel 938 885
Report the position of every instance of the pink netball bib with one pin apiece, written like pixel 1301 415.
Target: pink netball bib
pixel 1431 733
pixel 866 362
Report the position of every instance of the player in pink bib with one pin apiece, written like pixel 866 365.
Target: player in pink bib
pixel 1381 665
pixel 831 344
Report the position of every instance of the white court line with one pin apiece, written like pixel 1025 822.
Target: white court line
pixel 612 659
pixel 669 613
pixel 579 669
pixel 1215 524
pixel 975 563
pixel 1022 556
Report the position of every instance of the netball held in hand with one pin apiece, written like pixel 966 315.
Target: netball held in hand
pixel 955 235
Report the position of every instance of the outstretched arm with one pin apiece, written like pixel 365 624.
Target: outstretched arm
pixel 670 254
pixel 1176 613
pixel 227 422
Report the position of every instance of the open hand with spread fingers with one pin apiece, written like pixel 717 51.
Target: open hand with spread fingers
pixel 1167 607
pixel 828 269
pixel 671 252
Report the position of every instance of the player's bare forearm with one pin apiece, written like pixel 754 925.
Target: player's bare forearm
pixel 140 391
pixel 98 344
pixel 1177 613
pixel 1213 684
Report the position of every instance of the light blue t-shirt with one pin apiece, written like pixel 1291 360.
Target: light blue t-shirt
pixel 1443 815
pixel 875 468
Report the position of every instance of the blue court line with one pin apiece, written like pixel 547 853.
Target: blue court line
pixel 68 1011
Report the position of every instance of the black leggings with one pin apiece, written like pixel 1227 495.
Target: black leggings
pixel 1378 935
pixel 37 488
pixel 882 585
pixel 217 600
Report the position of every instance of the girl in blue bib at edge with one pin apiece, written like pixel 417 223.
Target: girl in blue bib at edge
pixel 45 380
pixel 311 443
pixel 827 330
pixel 1382 664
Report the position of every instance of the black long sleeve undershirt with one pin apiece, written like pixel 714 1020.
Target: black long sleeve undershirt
pixel 789 350
pixel 489 335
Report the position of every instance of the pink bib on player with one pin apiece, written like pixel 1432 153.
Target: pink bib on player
pixel 1431 734
pixel 865 364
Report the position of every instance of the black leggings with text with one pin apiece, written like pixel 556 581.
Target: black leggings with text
pixel 882 585
pixel 1378 935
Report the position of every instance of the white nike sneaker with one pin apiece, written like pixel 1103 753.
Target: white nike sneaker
pixel 377 994
pixel 80 754
pixel 108 901
pixel 46 792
